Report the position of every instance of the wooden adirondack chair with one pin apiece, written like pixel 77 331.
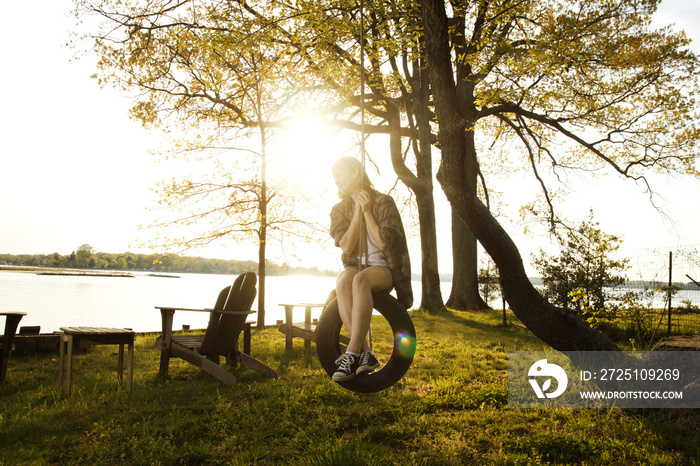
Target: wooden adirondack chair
pixel 226 321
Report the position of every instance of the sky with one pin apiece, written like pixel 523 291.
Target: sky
pixel 74 169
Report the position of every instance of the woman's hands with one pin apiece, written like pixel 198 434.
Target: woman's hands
pixel 362 200
pixel 363 208
pixel 363 203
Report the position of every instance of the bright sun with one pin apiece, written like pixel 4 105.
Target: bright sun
pixel 304 154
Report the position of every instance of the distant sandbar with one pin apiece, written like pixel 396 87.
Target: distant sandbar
pixel 68 272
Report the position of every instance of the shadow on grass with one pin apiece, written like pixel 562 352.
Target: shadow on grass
pixel 676 429
pixel 296 356
pixel 462 318
pixel 483 324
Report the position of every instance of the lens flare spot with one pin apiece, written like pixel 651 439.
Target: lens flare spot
pixel 404 345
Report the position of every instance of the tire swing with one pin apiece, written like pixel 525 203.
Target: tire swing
pixel 328 344
pixel 328 330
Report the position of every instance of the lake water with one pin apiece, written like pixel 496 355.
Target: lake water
pixel 54 301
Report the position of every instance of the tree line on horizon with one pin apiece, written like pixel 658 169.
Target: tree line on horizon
pixel 85 257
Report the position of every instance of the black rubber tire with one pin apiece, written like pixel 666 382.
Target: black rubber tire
pixel 328 344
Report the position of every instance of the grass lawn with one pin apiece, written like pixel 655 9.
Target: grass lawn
pixel 451 409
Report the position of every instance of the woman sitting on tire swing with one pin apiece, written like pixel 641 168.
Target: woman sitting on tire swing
pixel 384 266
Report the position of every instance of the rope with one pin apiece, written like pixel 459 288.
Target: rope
pixel 363 228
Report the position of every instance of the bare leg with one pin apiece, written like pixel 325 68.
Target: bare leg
pixel 343 291
pixel 374 278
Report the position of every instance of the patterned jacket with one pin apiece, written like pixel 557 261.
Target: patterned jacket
pixel 391 232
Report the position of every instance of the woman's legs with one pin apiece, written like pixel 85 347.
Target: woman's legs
pixel 354 292
pixel 343 291
pixel 373 278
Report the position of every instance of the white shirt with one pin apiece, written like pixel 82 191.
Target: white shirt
pixel 376 255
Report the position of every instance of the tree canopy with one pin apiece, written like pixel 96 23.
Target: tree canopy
pixel 568 85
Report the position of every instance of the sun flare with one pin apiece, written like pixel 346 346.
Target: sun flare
pixel 306 150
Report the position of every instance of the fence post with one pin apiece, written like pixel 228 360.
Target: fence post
pixel 670 283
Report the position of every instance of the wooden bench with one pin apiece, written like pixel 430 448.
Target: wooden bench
pixel 305 330
pixel 30 340
pixel 72 336
pixel 11 322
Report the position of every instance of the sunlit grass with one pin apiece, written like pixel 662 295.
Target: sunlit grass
pixel 451 408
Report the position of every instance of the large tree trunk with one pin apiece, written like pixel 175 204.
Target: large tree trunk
pixel 555 326
pixel 431 295
pixel 422 186
pixel 465 285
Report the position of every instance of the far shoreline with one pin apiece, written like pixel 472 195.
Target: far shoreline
pixel 77 272
pixel 67 271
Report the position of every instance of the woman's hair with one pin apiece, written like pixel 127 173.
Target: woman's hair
pixel 351 163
